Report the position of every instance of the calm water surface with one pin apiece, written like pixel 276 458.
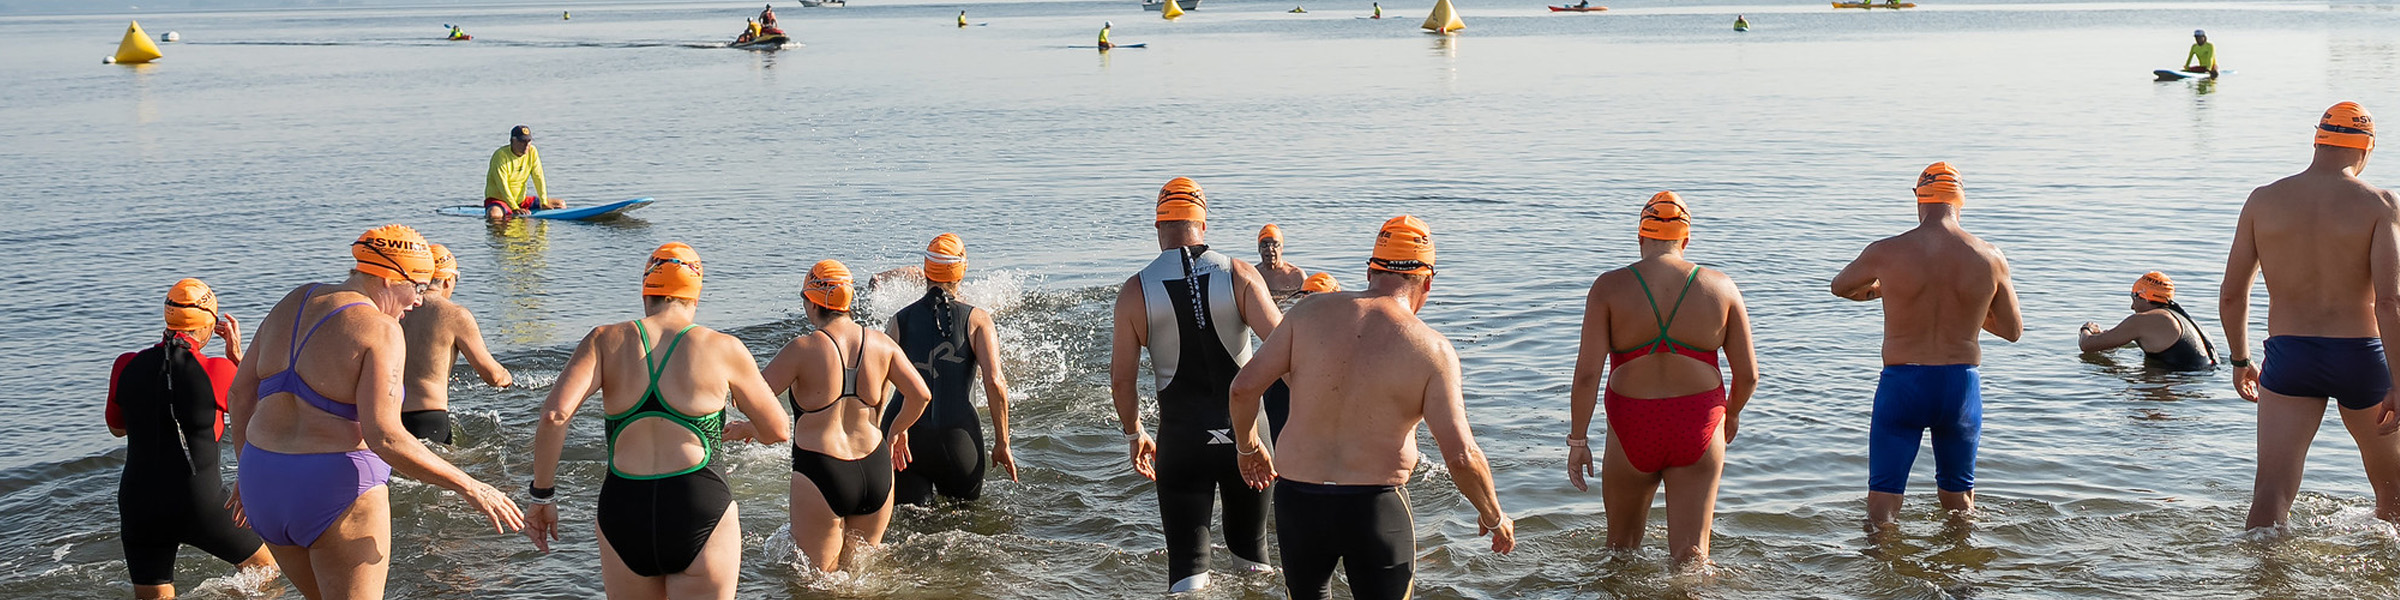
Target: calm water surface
pixel 262 144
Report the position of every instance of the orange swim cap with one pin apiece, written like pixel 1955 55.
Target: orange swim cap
pixel 674 272
pixel 191 306
pixel 1181 200
pixel 829 285
pixel 1939 185
pixel 1404 246
pixel 1320 283
pixel 2347 125
pixel 1665 217
pixel 2155 287
pixel 395 253
pixel 1270 232
pixel 445 264
pixel 946 259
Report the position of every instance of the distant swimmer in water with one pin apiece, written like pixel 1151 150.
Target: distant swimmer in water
pixel 1104 26
pixel 1194 310
pixel 1939 286
pixel 668 525
pixel 844 454
pixel 168 402
pixel 318 421
pixel 2325 238
pixel 1282 278
pixel 438 333
pixel 1366 372
pixel 2203 56
pixel 516 169
pixel 1663 397
pixel 950 342
pixel 2167 335
pixel 1320 283
pixel 962 18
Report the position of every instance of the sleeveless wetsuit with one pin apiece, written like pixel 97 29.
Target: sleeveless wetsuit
pixel 1657 433
pixel 947 441
pixel 850 487
pixel 293 498
pixel 658 523
pixel 1197 343
pixel 171 401
pixel 2186 354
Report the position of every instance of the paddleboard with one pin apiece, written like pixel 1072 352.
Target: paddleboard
pixel 1093 47
pixel 580 213
pixel 2176 75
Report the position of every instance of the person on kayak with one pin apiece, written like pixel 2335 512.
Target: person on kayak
pixel 516 169
pixel 1584 4
pixel 1104 45
pixel 2203 56
pixel 456 33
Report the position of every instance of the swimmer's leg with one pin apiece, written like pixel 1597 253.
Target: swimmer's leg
pixel 1245 518
pixel 2286 426
pixel 2381 453
pixel 618 580
pixel 354 556
pixel 718 568
pixel 1957 432
pixel 1625 495
pixel 1305 543
pixel 816 532
pixel 1692 503
pixel 1382 562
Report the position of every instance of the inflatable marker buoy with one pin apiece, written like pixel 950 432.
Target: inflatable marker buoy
pixel 1443 20
pixel 137 47
pixel 108 60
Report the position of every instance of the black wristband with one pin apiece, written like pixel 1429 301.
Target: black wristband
pixel 2241 363
pixel 540 493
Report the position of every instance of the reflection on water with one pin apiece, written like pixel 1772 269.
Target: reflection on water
pixel 523 246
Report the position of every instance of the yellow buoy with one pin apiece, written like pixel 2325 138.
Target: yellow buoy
pixel 1444 19
pixel 1170 11
pixel 137 47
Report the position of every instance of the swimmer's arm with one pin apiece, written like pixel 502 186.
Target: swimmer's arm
pixel 1857 281
pixel 2003 319
pixel 2124 333
pixel 470 339
pixel 1257 302
pixel 533 168
pixel 1591 364
pixel 768 424
pixel 1125 356
pixel 378 394
pixel 2233 293
pixel 240 399
pixel 2384 263
pixel 1270 364
pixel 577 381
pixel 1445 410
pixel 1741 354
pixel 903 374
pixel 995 384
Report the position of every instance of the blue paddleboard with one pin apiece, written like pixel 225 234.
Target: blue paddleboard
pixel 1141 45
pixel 2175 75
pixel 571 214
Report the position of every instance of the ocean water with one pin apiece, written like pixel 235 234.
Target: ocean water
pixel 254 152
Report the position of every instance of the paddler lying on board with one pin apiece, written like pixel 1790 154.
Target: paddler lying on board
pixel 515 170
pixel 2203 56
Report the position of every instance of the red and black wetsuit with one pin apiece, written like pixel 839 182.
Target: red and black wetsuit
pixel 170 401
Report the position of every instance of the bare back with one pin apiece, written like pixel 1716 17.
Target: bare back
pixel 811 367
pixel 432 331
pixel 1359 373
pixel 2314 235
pixel 348 346
pixel 1940 286
pixel 694 381
pixel 1701 318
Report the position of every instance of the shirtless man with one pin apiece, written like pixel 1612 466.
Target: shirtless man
pixel 438 331
pixel 1193 309
pixel 1283 279
pixel 1364 372
pixel 2325 240
pixel 1939 284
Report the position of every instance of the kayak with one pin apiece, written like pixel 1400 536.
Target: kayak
pixel 1578 8
pixel 1874 5
pixel 769 42
pixel 580 213
pixel 1091 47
pixel 462 38
pixel 2179 75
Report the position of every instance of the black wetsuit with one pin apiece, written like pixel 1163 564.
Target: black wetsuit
pixel 1198 341
pixel 947 442
pixel 169 402
pixel 1366 529
pixel 2186 354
